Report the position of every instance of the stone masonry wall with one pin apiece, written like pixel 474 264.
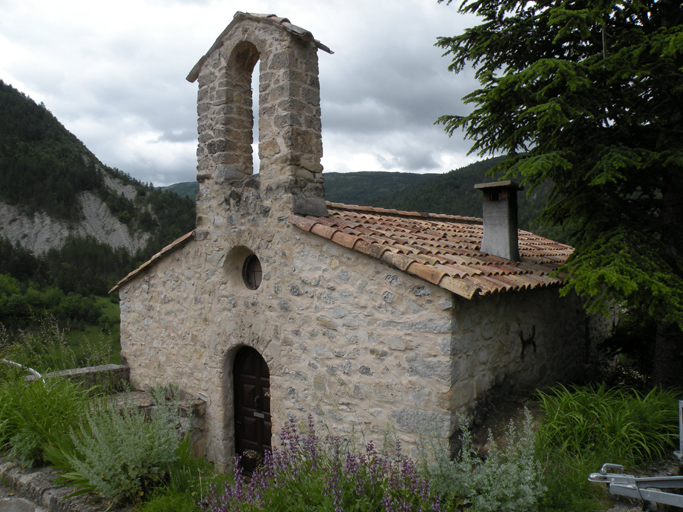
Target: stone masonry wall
pixel 290 140
pixel 359 345
pixel 490 357
pixel 362 347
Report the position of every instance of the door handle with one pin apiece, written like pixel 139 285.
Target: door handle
pixel 257 402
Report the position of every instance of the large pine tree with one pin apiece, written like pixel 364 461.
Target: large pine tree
pixel 589 95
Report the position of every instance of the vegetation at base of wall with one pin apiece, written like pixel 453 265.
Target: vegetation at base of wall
pixel 189 478
pixel 331 473
pixel 35 415
pixel 506 480
pixel 616 424
pixel 121 453
pixel 326 473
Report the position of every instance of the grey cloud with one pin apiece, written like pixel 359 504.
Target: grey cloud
pixel 410 161
pixel 179 136
pixel 380 92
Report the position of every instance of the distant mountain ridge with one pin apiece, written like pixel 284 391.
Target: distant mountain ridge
pixel 450 193
pixel 58 201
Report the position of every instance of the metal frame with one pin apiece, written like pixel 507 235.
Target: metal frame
pixel 642 488
pixel 645 488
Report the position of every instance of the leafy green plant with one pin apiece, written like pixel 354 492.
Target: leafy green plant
pixel 37 414
pixel 120 453
pixel 566 477
pixel 622 425
pixel 184 488
pixel 584 427
pixel 508 479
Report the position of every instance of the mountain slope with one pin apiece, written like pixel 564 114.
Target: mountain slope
pixel 52 188
pixel 38 232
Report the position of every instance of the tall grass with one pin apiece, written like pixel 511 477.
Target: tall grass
pixel 35 415
pixel 46 346
pixel 619 425
pixel 584 427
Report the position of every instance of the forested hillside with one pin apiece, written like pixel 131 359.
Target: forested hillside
pixel 363 188
pixel 46 171
pixel 453 193
pixel 49 181
pixel 42 166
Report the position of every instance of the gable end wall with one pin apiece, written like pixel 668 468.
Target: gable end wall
pixel 362 347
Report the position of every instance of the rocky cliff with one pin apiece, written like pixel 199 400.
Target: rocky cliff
pixel 53 188
pixel 39 232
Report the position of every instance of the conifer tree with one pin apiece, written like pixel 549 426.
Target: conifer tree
pixel 588 94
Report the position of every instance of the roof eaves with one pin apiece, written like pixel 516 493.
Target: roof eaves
pixel 466 274
pixel 173 246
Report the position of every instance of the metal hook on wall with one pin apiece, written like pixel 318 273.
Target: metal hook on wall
pixel 531 340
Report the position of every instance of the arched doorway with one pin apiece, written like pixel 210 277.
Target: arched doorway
pixel 252 407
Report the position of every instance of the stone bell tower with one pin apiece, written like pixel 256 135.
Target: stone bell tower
pixel 289 131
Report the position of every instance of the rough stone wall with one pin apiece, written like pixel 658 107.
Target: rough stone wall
pixel 490 356
pixel 290 141
pixel 359 345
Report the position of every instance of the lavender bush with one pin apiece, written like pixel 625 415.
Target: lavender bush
pixel 307 472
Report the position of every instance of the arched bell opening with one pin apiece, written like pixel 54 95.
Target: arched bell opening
pixel 241 117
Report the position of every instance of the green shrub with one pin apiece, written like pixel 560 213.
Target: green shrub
pixel 35 415
pixel 619 425
pixel 584 427
pixel 508 479
pixel 566 476
pixel 121 454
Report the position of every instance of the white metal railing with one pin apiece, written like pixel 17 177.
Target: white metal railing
pixel 25 368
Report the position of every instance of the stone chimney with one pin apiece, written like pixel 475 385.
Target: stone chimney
pixel 500 219
pixel 289 132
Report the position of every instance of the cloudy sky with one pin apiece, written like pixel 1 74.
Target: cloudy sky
pixel 114 74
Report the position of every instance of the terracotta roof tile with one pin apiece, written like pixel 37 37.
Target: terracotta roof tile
pixel 441 249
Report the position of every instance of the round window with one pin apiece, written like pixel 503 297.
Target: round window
pixel 251 272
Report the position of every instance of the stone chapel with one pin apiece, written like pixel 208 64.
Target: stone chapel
pixel 280 303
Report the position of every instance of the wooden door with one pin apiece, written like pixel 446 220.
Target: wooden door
pixel 252 407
